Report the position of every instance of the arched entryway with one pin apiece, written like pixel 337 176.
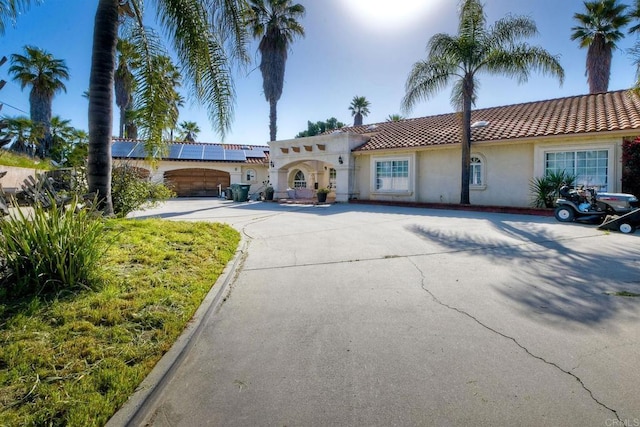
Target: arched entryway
pixel 197 182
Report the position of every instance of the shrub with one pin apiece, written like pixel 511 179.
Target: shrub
pixel 130 191
pixel 50 250
pixel 631 166
pixel 545 190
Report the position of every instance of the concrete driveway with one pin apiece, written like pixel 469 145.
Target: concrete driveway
pixel 356 315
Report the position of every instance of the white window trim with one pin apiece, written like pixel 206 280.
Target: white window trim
pixel 542 150
pixel 255 174
pixel 483 186
pixel 411 177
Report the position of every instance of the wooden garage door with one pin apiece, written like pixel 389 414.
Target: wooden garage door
pixel 197 182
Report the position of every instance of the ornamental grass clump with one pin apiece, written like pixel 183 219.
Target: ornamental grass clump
pixel 49 250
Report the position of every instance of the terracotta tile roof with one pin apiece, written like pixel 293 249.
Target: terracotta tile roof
pixel 584 114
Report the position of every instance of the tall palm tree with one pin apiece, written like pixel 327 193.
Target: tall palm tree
pixel 124 80
pixel 188 131
pixel 275 23
pixel 394 118
pixel 359 108
pixel 599 29
pixel 45 74
pixel 501 49
pixel 207 36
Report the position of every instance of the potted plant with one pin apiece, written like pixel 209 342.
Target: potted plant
pixel 268 190
pixel 322 194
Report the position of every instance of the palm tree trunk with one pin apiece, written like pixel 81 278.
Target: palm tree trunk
pixel 273 118
pixel 123 109
pixel 40 114
pixel 598 64
pixel 105 37
pixel 466 141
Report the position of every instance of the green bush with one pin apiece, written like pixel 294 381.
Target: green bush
pixel 50 250
pixel 130 191
pixel 631 166
pixel 545 190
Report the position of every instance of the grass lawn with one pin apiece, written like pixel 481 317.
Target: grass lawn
pixel 9 158
pixel 74 359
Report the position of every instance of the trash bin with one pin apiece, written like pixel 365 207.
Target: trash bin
pixel 234 192
pixel 241 192
pixel 228 193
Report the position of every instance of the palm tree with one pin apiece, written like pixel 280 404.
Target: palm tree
pixel 25 134
pixel 394 118
pixel 61 132
pixel 496 50
pixel 207 40
pixel 45 74
pixel 359 108
pixel 124 80
pixel 275 23
pixel 599 29
pixel 188 131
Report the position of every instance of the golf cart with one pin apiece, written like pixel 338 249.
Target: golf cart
pixel 587 205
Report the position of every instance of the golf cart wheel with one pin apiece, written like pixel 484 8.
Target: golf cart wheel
pixel 626 228
pixel 564 214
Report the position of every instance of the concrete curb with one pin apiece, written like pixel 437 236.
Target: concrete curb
pixel 459 207
pixel 136 409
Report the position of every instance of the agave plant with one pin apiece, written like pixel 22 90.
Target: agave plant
pixel 546 189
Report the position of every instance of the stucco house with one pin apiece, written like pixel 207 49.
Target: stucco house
pixel 419 160
pixel 197 169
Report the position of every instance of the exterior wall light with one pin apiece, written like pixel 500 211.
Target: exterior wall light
pixel 340 160
pixel 271 163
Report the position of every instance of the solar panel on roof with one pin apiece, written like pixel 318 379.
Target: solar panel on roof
pixel 139 151
pixel 255 153
pixel 234 156
pixel 121 148
pixel 213 153
pixel 191 152
pixel 174 151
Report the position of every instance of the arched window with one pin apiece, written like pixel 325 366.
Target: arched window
pixel 299 180
pixel 476 173
pixel 250 175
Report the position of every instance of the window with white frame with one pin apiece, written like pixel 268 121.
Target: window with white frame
pixel 250 175
pixel 590 167
pixel 299 180
pixel 332 178
pixel 476 172
pixel 392 175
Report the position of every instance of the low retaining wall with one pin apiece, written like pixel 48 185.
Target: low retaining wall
pixel 15 177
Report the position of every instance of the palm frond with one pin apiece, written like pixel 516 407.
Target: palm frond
pixel 202 52
pixel 426 79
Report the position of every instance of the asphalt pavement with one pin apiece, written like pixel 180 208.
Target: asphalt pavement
pixel 362 315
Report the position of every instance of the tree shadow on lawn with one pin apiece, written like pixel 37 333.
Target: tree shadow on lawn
pixel 558 278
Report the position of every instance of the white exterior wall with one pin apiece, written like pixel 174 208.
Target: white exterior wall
pixel 508 169
pixel 237 172
pixel 314 156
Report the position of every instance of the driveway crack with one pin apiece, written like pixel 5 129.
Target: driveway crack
pixel 515 341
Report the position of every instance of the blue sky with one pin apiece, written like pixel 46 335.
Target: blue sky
pixel 352 47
